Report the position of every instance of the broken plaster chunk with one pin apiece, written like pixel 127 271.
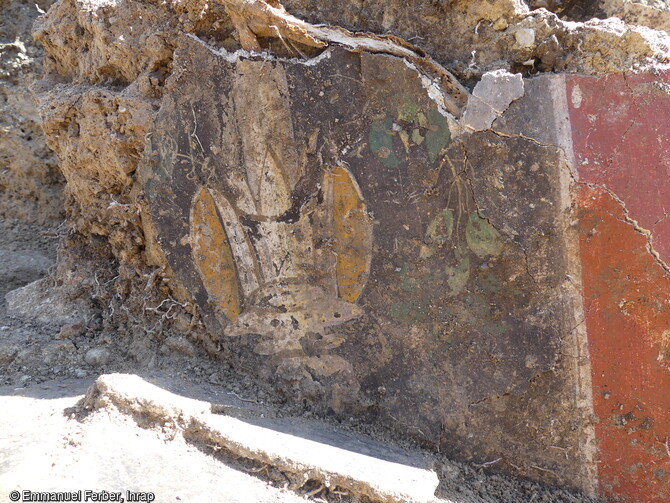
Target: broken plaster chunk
pixel 491 97
pixel 478 115
pixel 499 88
pixel 525 37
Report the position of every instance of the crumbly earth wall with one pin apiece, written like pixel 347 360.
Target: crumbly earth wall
pixel 654 13
pixel 30 183
pixel 471 36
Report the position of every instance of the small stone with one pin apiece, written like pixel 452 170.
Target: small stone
pixel 214 378
pixel 71 331
pixel 182 322
pixel 23 380
pixel 95 323
pixel 180 344
pixel 80 373
pixel 525 37
pixel 500 24
pixel 55 351
pixel 450 471
pixel 8 353
pixel 97 356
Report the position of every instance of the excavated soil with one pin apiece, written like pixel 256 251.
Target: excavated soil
pixel 31 185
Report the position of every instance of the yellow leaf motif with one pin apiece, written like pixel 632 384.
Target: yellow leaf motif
pixel 213 256
pixel 353 234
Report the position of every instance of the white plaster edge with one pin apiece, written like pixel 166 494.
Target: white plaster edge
pixel 559 96
pixel 435 93
pixel 578 341
pixel 234 57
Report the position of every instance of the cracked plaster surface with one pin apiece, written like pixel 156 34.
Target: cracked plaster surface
pixel 490 98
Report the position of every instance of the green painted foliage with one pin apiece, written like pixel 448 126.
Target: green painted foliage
pixel 407 112
pixel 438 134
pixel 482 237
pixel 410 312
pixel 457 276
pixel 440 229
pixel 380 141
pixel 433 131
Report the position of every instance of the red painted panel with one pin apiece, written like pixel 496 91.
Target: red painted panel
pixel 627 305
pixel 621 140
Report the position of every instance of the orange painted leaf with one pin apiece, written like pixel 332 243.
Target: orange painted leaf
pixel 353 235
pixel 213 256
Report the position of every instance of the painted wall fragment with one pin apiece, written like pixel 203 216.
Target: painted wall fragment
pixel 372 248
pixel 627 301
pixel 613 131
pixel 621 135
pixel 213 256
pixel 374 245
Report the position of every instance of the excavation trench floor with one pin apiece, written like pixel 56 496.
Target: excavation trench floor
pixel 179 441
pixel 131 435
